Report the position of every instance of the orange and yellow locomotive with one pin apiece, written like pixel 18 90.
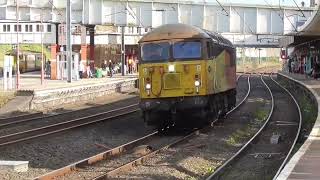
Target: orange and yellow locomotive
pixel 184 69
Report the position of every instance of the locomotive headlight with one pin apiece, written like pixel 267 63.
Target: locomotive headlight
pixel 148 86
pixel 197 83
pixel 171 68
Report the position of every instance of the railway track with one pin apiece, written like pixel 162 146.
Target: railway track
pixel 39 119
pixel 123 158
pixel 20 118
pixel 66 125
pixel 266 153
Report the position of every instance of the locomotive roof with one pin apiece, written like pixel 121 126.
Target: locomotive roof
pixel 182 31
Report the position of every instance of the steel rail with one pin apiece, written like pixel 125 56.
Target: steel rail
pixel 239 77
pixel 139 161
pixel 14 121
pixel 63 126
pixel 244 99
pixel 245 146
pixel 96 158
pixel 298 131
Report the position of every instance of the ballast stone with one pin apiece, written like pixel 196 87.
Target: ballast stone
pixel 275 138
pixel 18 166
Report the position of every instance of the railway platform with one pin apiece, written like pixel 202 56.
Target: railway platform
pixel 304 164
pixel 34 96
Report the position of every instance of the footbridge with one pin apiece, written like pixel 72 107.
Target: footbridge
pixel 243 24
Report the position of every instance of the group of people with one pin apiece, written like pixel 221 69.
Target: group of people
pixel 108 68
pixel 309 66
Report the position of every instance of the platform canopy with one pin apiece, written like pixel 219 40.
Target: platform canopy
pixel 312 26
pixel 308 32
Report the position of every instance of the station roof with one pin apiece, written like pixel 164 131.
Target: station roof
pixel 309 32
pixel 312 26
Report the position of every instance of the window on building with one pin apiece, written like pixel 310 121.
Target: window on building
pixel 15 28
pixel 30 28
pixel 4 28
pixel 49 28
pixel 26 28
pixel 8 28
pixel 39 28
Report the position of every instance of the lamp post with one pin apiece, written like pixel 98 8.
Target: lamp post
pixel 259 55
pixel 42 64
pixel 18 50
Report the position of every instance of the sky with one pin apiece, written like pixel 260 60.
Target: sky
pixel 261 2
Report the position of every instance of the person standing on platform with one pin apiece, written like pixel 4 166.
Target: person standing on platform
pixel 81 69
pixel 110 68
pixel 289 65
pixel 48 69
pixel 130 62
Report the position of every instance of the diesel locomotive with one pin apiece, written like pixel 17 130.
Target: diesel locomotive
pixel 185 70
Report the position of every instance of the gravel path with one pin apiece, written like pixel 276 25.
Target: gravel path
pixel 201 155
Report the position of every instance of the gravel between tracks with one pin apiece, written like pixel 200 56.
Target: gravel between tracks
pixel 201 155
pixel 263 166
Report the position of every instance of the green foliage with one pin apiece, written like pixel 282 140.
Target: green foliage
pixel 36 48
pixel 261 115
pixel 209 170
pixel 239 135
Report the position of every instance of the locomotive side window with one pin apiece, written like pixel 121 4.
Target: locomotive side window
pixel 159 51
pixel 187 50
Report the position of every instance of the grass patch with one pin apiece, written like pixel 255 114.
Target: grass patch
pixel 6 96
pixel 309 112
pixel 261 115
pixel 239 135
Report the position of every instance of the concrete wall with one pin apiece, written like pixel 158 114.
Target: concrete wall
pixel 43 100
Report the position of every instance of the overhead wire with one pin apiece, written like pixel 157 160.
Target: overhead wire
pixel 299 9
pixel 132 14
pixel 223 9
pixel 139 20
pixel 281 17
